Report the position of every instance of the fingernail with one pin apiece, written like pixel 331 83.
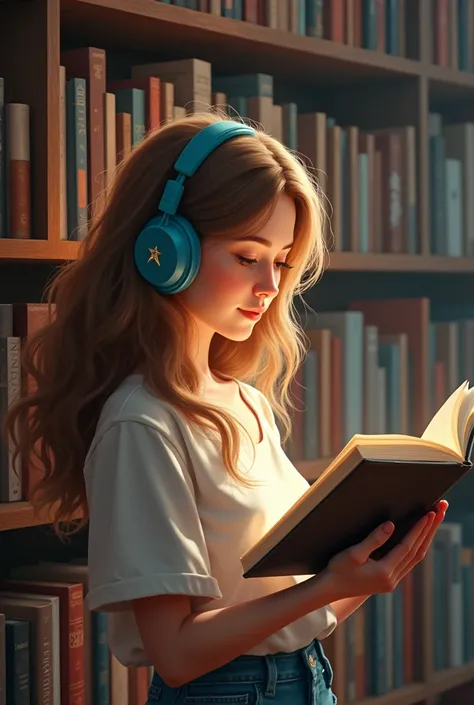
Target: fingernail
pixel 387 527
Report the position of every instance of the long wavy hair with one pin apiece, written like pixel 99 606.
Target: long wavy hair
pixel 105 321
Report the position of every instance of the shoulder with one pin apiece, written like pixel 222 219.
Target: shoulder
pixel 133 405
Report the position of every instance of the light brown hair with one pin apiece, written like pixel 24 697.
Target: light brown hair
pixel 108 321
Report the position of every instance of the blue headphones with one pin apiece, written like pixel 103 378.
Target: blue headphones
pixel 167 251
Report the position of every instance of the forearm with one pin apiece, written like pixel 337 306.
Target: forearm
pixel 344 608
pixel 211 639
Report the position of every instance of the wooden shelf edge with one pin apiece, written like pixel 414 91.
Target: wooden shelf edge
pixel 451 678
pixel 21 515
pixel 441 74
pixel 31 250
pixel 386 262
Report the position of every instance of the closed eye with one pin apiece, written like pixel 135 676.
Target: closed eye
pixel 245 261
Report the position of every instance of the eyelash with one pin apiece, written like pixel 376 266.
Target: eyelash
pixel 246 261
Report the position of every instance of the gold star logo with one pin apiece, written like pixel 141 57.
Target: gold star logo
pixel 154 254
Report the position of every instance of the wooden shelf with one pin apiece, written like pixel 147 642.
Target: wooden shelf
pixel 46 251
pixel 451 678
pixel 21 515
pixel 163 29
pixel 447 83
pixel 37 250
pixel 382 262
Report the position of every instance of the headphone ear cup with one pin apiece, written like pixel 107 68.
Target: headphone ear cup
pixel 168 254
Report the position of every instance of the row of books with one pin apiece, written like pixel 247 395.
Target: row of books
pixel 369 177
pixel 380 367
pixel 452 34
pixel 53 650
pixel 17 322
pixel 372 24
pixel 43 606
pixel 361 373
pixel 379 25
pixel 451 183
pixel 383 647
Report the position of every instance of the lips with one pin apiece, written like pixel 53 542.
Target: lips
pixel 252 315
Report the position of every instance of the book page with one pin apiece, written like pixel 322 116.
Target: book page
pixel 466 419
pixel 443 427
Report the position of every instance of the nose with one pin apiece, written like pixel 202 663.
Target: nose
pixel 267 284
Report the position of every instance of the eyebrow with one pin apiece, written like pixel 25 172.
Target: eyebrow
pixel 261 240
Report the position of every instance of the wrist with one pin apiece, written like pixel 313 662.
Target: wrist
pixel 335 588
pixel 329 588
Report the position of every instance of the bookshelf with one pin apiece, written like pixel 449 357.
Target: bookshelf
pixel 372 89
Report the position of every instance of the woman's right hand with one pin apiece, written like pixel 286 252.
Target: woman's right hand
pixel 353 573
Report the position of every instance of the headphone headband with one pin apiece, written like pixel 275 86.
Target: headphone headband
pixel 196 151
pixel 172 236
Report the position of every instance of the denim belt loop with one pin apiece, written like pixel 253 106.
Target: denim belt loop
pixel 325 664
pixel 270 688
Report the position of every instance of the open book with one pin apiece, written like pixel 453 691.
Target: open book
pixel 373 479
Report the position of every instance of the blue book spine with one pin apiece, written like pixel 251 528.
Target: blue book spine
pixel 100 659
pixel 398 636
pixel 392 27
pixel 314 18
pixel 369 24
pixel 132 100
pixel 302 17
pixel 463 35
pixel 364 202
pixel 76 158
pixel 238 10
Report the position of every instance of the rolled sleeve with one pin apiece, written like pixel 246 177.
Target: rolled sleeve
pixel 145 535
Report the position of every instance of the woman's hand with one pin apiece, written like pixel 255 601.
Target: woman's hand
pixel 352 572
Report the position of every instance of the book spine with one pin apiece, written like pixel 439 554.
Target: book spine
pixel 10 387
pixel 77 188
pixel 17 125
pixel 17 652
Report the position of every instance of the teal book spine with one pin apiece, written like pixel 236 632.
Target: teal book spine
pixel 132 100
pixel 314 18
pixel 392 27
pixel 100 659
pixel 364 202
pixel 17 653
pixel 76 158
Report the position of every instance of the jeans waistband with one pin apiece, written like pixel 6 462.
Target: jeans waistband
pixel 309 661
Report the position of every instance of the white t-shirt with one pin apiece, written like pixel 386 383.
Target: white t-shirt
pixel 166 517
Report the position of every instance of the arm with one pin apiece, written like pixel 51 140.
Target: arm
pixel 344 608
pixel 183 645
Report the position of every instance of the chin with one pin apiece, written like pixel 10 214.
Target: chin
pixel 238 336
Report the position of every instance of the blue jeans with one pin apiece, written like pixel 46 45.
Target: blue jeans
pixel 303 677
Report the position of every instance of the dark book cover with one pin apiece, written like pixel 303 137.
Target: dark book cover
pixel 18 661
pixel 375 491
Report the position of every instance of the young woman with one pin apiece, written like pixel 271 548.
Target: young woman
pixel 158 385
